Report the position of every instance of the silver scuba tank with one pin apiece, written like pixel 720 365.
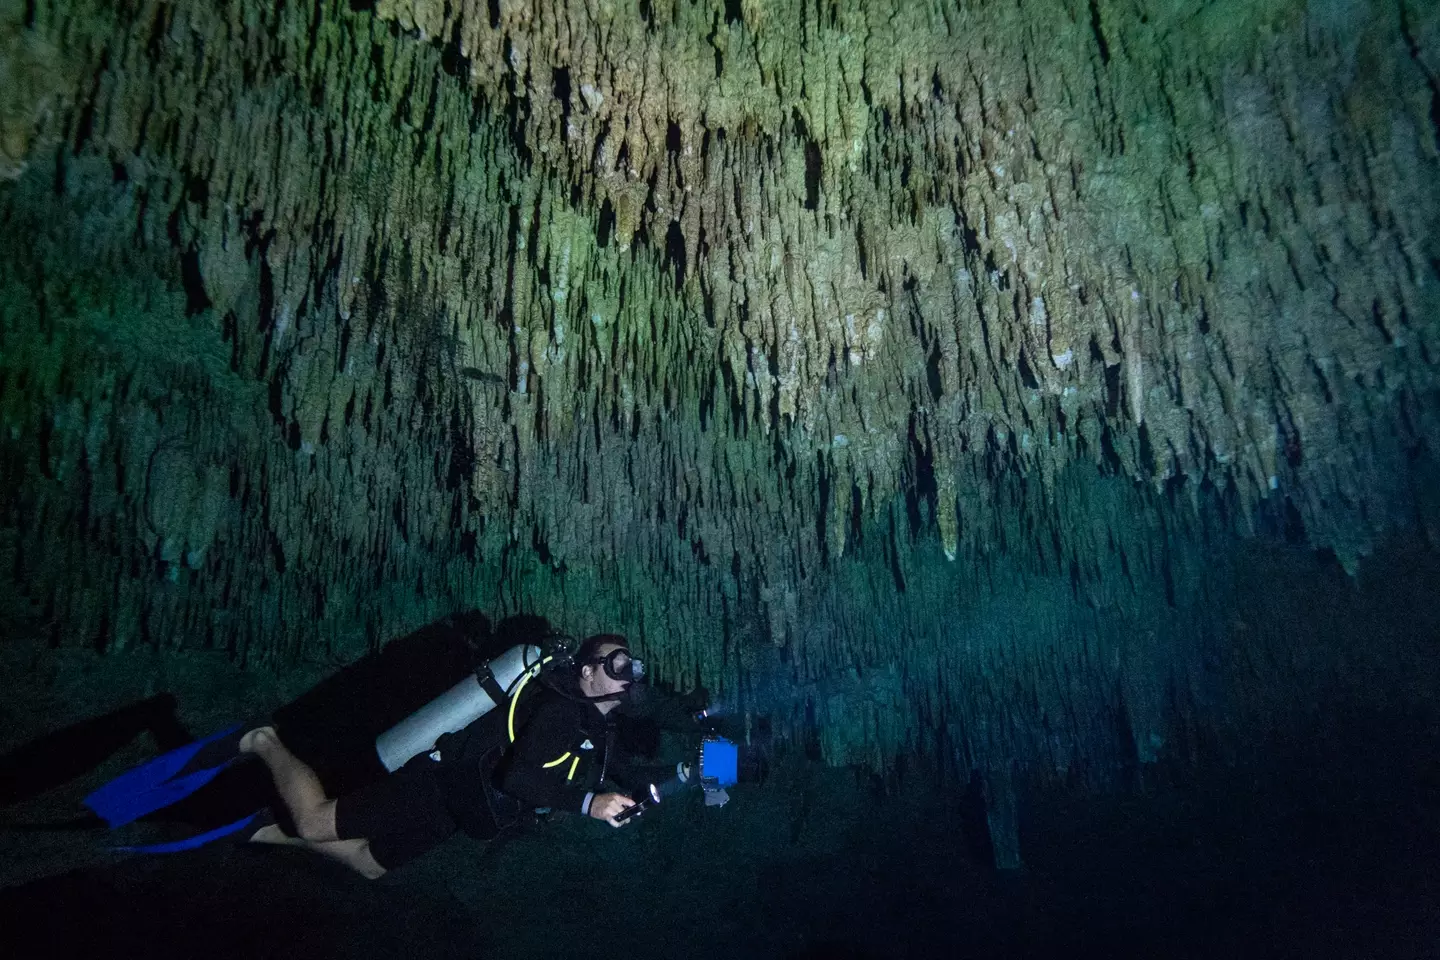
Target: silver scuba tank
pixel 453 710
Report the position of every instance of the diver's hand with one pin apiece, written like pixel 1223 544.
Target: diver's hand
pixel 604 806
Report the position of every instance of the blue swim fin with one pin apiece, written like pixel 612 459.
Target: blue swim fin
pixel 190 843
pixel 169 778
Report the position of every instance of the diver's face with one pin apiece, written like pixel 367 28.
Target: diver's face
pixel 595 682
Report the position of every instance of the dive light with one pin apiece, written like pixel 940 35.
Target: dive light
pixel 640 806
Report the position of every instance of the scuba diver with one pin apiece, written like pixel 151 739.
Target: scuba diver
pixel 531 732
pixel 555 758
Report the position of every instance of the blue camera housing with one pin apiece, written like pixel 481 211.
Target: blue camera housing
pixel 719 763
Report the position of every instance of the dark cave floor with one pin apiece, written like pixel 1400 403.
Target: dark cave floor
pixel 1324 846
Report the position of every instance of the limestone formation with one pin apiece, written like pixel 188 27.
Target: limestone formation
pixel 866 361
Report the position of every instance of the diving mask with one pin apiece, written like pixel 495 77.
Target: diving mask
pixel 620 665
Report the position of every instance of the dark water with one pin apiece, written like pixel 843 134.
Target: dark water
pixel 1330 847
pixel 1321 839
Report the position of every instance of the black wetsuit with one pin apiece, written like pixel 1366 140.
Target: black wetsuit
pixel 479 782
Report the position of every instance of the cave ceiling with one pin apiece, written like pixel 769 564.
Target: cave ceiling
pixel 794 339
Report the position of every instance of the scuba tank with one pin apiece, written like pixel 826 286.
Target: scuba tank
pixel 456 708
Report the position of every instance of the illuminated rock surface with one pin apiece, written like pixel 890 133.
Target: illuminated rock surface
pixel 918 376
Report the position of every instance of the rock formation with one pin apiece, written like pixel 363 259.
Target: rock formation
pixel 906 369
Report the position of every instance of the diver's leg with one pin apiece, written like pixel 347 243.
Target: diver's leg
pixel 313 812
pixel 355 854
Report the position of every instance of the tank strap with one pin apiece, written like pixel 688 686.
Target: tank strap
pixel 490 685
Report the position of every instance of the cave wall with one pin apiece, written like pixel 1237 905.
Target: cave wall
pixel 914 372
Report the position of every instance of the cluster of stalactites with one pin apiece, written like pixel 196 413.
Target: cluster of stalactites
pixel 1118 236
pixel 682 321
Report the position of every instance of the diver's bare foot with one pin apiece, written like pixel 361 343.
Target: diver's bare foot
pixel 271 833
pixel 258 739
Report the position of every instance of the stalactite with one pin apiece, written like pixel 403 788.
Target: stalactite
pixel 809 345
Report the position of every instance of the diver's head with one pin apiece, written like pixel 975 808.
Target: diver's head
pixel 606 670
